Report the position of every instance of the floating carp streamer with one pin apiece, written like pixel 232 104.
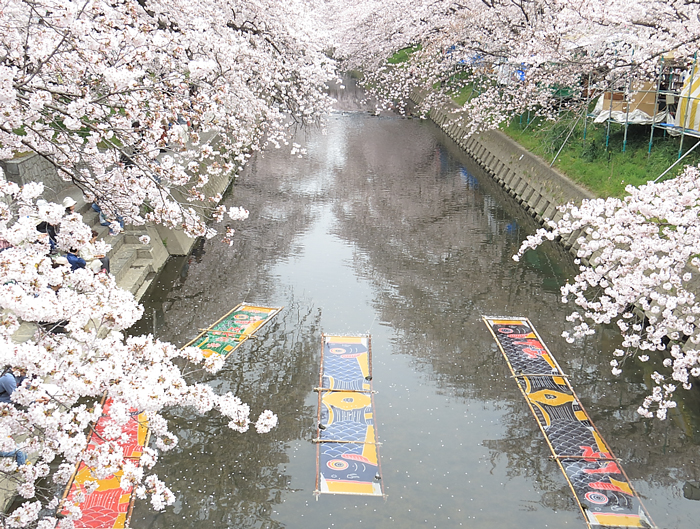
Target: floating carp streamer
pixel 69 372
pixel 640 251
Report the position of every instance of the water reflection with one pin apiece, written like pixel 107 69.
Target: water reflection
pixel 386 227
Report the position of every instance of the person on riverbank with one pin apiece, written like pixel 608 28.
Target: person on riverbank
pixel 107 221
pixel 50 231
pixel 69 204
pixel 95 261
pixel 9 382
pixel 20 457
pixel 74 260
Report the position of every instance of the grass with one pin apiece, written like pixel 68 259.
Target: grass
pixel 464 93
pixel 403 55
pixel 603 169
pixel 459 90
pixel 596 161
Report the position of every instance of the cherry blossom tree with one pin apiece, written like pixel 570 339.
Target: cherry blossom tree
pixel 513 54
pixel 639 260
pixel 138 103
pixel 141 102
pixel 78 354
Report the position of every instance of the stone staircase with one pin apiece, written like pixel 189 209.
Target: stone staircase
pixel 133 264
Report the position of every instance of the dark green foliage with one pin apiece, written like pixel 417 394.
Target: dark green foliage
pixel 404 54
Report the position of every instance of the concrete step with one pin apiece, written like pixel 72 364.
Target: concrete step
pixel 143 251
pixel 115 241
pixel 126 237
pixel 120 261
pixel 144 286
pixel 136 275
pixel 90 218
pixel 132 263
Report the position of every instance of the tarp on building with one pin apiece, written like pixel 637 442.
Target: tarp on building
pixel 641 109
pixel 688 114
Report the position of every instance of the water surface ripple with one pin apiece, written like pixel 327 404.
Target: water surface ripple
pixel 386 227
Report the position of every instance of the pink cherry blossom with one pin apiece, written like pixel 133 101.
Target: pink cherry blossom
pixel 639 252
pixel 69 372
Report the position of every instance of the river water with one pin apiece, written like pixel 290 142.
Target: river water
pixel 386 227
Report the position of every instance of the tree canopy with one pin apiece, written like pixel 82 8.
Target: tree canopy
pixel 140 102
pixel 488 44
pixel 100 89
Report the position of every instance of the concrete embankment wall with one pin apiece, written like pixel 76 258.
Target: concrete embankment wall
pixel 539 189
pixel 134 264
pixel 526 177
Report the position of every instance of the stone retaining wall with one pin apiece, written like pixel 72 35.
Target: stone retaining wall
pixel 526 177
pixel 538 188
pixel 34 168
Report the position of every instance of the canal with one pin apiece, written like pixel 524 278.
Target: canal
pixel 385 226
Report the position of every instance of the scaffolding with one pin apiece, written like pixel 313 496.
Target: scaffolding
pixel 671 102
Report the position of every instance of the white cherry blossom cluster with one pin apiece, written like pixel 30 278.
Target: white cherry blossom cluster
pixel 639 267
pixel 78 354
pixel 159 494
pixel 511 56
pixel 142 103
pixel 266 422
pixel 237 213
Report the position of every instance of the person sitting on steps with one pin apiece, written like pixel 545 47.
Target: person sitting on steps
pixel 106 221
pixel 69 204
pixel 20 457
pixel 74 260
pixel 50 231
pixel 95 262
pixel 8 384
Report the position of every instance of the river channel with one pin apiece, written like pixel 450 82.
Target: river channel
pixel 385 226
